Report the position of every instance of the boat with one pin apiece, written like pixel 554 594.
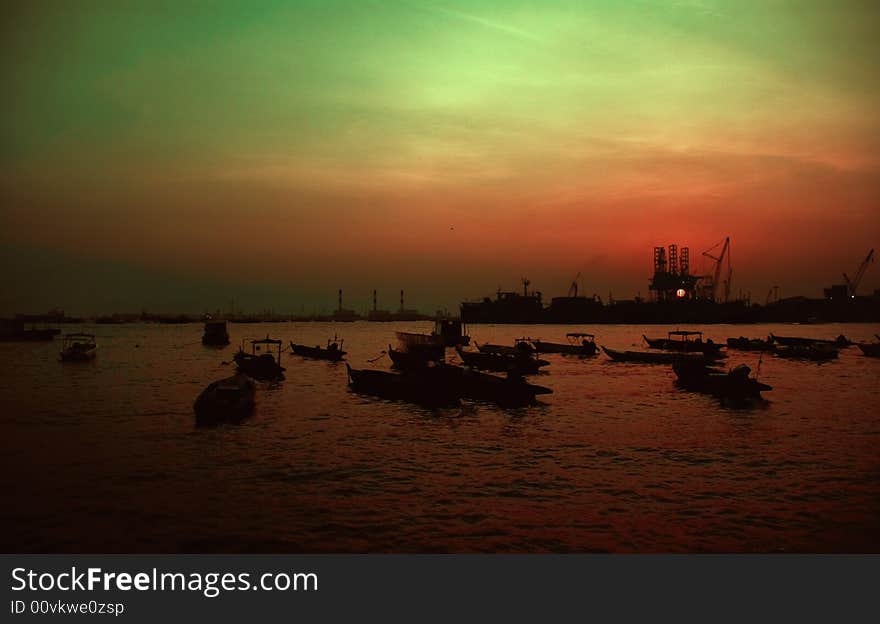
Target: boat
pixel 522 363
pixel 215 333
pixel 451 332
pixel 428 346
pixel 445 385
pixel 227 400
pixel 509 391
pixel 78 348
pixel 413 359
pixel 578 344
pixel 416 388
pixel 520 345
pixel 792 341
pixel 684 341
pixel 652 357
pixel 871 349
pixel 332 352
pixel 261 366
pixel 750 344
pixel 816 352
pixel 735 384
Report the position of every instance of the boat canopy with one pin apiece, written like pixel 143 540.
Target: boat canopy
pixel 579 335
pixel 266 340
pixel 78 336
pixel 681 332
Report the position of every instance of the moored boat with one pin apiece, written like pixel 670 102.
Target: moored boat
pixel 332 352
pixel 736 384
pixel 78 347
pixel 750 344
pixel 509 391
pixel 794 341
pixel 522 363
pixel 871 349
pixel 264 366
pixel 684 341
pixel 816 352
pixel 227 400
pixel 578 344
pixel 652 357
pixel 215 334
pixel 411 387
pixel 521 345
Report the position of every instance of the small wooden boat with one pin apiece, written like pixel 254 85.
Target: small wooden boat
pixel 509 391
pixel 261 366
pixel 871 349
pixel 412 387
pixel 750 344
pixel 816 352
pixel 521 363
pixel 451 332
pixel 578 344
pixel 332 352
pixel 651 357
pixel 520 345
pixel 684 341
pixel 735 384
pixel 78 348
pixel 228 400
pixel 215 334
pixel 794 341
pixel 415 358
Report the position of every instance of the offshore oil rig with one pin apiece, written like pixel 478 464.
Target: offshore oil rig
pixel 673 280
pixel 678 295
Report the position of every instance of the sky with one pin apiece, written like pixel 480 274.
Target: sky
pixel 182 156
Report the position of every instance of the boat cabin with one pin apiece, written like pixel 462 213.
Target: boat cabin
pixel 685 336
pixel 264 345
pixel 581 339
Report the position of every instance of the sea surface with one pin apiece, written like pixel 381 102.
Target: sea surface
pixel 104 456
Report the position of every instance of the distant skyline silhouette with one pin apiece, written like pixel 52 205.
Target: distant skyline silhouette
pixel 177 159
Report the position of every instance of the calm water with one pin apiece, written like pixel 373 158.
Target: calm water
pixel 104 456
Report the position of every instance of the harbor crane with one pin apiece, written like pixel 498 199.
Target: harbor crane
pixel 710 289
pixel 573 289
pixel 853 284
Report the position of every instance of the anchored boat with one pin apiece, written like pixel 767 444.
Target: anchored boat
pixel 265 366
pixel 750 344
pixel 684 341
pixel 522 363
pixel 735 384
pixel 78 348
pixel 215 333
pixel 795 341
pixel 578 344
pixel 650 357
pixel 228 400
pixel 332 352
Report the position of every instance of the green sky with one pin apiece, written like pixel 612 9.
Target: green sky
pixel 443 147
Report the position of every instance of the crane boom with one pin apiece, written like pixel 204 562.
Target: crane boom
pixel 713 288
pixel 573 289
pixel 853 283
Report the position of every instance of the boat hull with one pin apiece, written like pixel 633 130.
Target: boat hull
pixel 871 349
pixel 317 353
pixel 229 400
pixel 566 349
pixel 647 357
pixel 522 364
